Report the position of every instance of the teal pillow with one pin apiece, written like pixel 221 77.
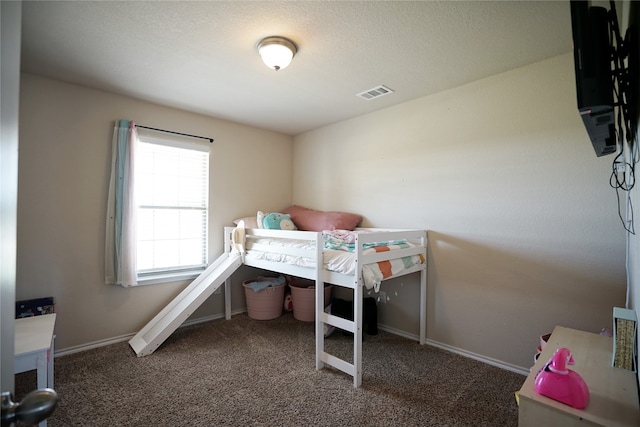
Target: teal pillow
pixel 278 221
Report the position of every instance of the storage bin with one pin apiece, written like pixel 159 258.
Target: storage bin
pixel 265 304
pixel 303 297
pixel 34 307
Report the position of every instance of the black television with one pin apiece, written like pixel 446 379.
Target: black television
pixel 594 82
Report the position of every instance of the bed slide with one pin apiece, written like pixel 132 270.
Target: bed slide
pixel 177 311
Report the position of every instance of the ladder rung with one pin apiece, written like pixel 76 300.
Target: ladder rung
pixel 338 363
pixel 338 322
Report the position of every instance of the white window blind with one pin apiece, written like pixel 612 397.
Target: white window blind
pixel 172 188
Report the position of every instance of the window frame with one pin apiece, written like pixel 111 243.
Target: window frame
pixel 188 272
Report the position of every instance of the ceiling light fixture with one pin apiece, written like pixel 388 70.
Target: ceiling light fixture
pixel 277 52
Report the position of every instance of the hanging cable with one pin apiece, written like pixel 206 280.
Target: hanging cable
pixel 623 169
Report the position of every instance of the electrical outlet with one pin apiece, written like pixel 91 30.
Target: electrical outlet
pixel 382 297
pixel 621 167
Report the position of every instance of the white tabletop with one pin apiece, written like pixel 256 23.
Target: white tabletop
pixel 33 334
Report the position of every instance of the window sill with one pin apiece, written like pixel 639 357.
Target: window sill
pixel 159 278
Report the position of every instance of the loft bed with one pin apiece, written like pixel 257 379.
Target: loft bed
pixel 370 257
pixel 349 257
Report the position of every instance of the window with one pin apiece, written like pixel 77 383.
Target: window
pixel 172 188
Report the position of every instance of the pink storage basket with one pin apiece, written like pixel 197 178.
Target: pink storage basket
pixel 303 298
pixel 265 304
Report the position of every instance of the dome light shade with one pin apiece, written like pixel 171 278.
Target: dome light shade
pixel 277 52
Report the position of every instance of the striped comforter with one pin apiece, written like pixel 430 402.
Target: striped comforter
pixel 374 274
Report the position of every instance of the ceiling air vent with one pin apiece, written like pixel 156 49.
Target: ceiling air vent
pixel 375 92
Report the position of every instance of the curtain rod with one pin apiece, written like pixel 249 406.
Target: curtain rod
pixel 175 133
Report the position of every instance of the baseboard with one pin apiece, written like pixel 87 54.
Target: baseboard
pixel 114 340
pixel 90 346
pixel 446 347
pixel 456 350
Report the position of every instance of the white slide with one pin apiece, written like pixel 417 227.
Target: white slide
pixel 177 311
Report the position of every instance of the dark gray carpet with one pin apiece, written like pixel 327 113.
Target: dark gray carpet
pixel 245 372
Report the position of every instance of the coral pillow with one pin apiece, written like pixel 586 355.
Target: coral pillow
pixel 312 220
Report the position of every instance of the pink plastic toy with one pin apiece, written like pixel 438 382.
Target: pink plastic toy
pixel 559 383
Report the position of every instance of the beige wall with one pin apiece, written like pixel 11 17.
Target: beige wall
pixel 65 139
pixel 523 228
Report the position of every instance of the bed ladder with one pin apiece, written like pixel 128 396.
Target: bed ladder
pixel 355 327
pixel 177 311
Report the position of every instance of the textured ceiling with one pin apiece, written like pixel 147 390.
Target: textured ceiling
pixel 202 57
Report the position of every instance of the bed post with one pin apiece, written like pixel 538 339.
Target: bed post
pixel 227 299
pixel 423 307
pixel 227 282
pixel 423 294
pixel 358 294
pixel 320 303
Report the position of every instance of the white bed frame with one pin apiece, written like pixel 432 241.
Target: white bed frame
pixel 355 282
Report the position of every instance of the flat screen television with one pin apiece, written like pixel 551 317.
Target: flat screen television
pixel 594 83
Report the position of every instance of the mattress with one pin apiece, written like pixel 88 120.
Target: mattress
pixel 341 261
